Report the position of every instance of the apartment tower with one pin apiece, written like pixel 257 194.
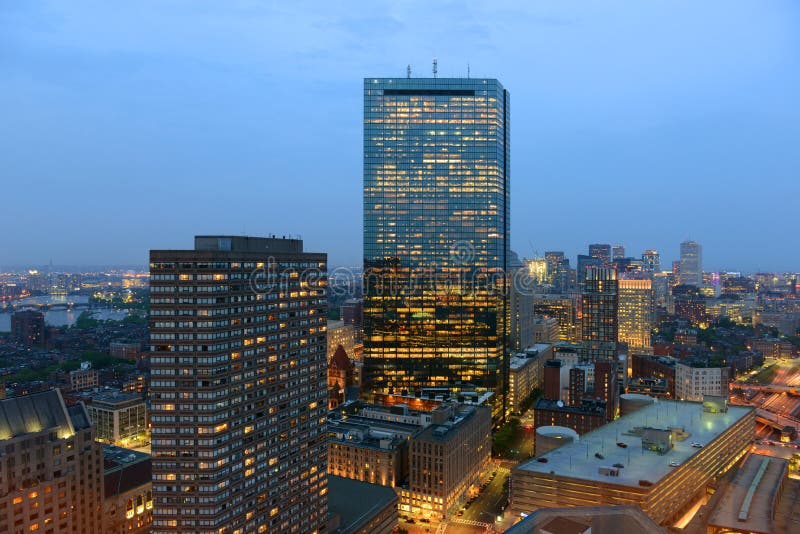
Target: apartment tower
pixel 238 387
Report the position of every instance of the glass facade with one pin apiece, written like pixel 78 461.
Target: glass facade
pixel 436 229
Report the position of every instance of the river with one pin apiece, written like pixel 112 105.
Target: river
pixel 61 317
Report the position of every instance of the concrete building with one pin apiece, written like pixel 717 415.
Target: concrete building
pixel 526 373
pixel 751 499
pixel 635 313
pixel 446 458
pixel 125 350
pixel 238 386
pixel 84 378
pixel 545 329
pixel 521 304
pixel 128 495
pixel 563 309
pixel 695 449
pixel 27 327
pixel 351 312
pixel 119 418
pixel 369 450
pixel 51 468
pixel 693 383
pixel 360 508
pixel 552 437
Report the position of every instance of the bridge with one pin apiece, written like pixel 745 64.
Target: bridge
pixel 776 421
pixel 769 388
pixel 44 306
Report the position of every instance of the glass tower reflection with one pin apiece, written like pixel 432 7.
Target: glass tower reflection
pixel 436 229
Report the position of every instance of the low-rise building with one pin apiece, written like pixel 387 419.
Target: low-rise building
pixel 661 458
pixel 584 418
pixel 83 378
pixel 125 350
pixel 771 347
pixel 128 495
pixel 356 507
pixel 693 383
pixel 119 418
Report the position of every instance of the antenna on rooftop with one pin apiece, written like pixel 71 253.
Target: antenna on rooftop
pixel 468 70
pixel 408 71
pixel 435 67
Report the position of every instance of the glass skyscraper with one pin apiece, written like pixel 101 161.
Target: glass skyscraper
pixel 436 230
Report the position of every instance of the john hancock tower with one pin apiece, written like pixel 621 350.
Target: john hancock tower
pixel 436 231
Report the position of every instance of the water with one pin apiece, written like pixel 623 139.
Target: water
pixel 62 317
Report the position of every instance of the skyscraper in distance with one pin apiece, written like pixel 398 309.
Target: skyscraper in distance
pixel 599 303
pixel 436 237
pixel 635 312
pixel 239 387
pixel 691 264
pixel 651 261
pixel 602 252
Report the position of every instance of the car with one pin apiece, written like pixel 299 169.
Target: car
pixel 621 444
pixel 618 465
pixel 460 513
pixel 599 456
pixel 697 445
pixel 674 464
pixel 542 460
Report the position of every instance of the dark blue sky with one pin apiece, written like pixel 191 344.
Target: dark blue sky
pixel 125 128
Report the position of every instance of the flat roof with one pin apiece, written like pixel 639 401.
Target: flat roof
pixel 116 398
pixel 602 519
pixel 356 502
pixel 758 512
pixel 578 460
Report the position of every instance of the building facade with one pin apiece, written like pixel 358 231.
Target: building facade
pixel 693 383
pixel 436 230
pixel 51 467
pixel 691 264
pixel 238 386
pixel 128 495
pixel 27 327
pixel 635 313
pixel 119 418
pixel 600 304
pixel 526 374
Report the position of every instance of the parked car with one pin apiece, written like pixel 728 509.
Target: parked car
pixel 621 444
pixel 674 464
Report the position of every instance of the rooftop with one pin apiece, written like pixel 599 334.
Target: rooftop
pixel 37 412
pixel 601 519
pixel 115 398
pixel 442 432
pixel 578 459
pixel 356 502
pixel 736 511
pixel 125 469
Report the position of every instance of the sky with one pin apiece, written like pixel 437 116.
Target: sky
pixel 128 126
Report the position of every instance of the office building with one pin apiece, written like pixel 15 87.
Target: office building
pixel 446 458
pixel 84 378
pixel 526 370
pixel 691 264
pixel 522 330
pixel 128 495
pixel 651 261
pixel 51 468
pixel 558 271
pixel 341 334
pixel 351 312
pixel 27 327
pixel 600 304
pixel 601 252
pixel 436 237
pixel 617 252
pixel 635 313
pixel 238 387
pixel 693 381
pixel 119 418
pixel 563 309
pixel 663 472
pixel 545 329
pixel 605 386
pixel 584 262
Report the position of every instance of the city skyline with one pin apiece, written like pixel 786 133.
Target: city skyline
pixel 670 136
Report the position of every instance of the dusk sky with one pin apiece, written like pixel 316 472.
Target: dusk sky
pixel 127 126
